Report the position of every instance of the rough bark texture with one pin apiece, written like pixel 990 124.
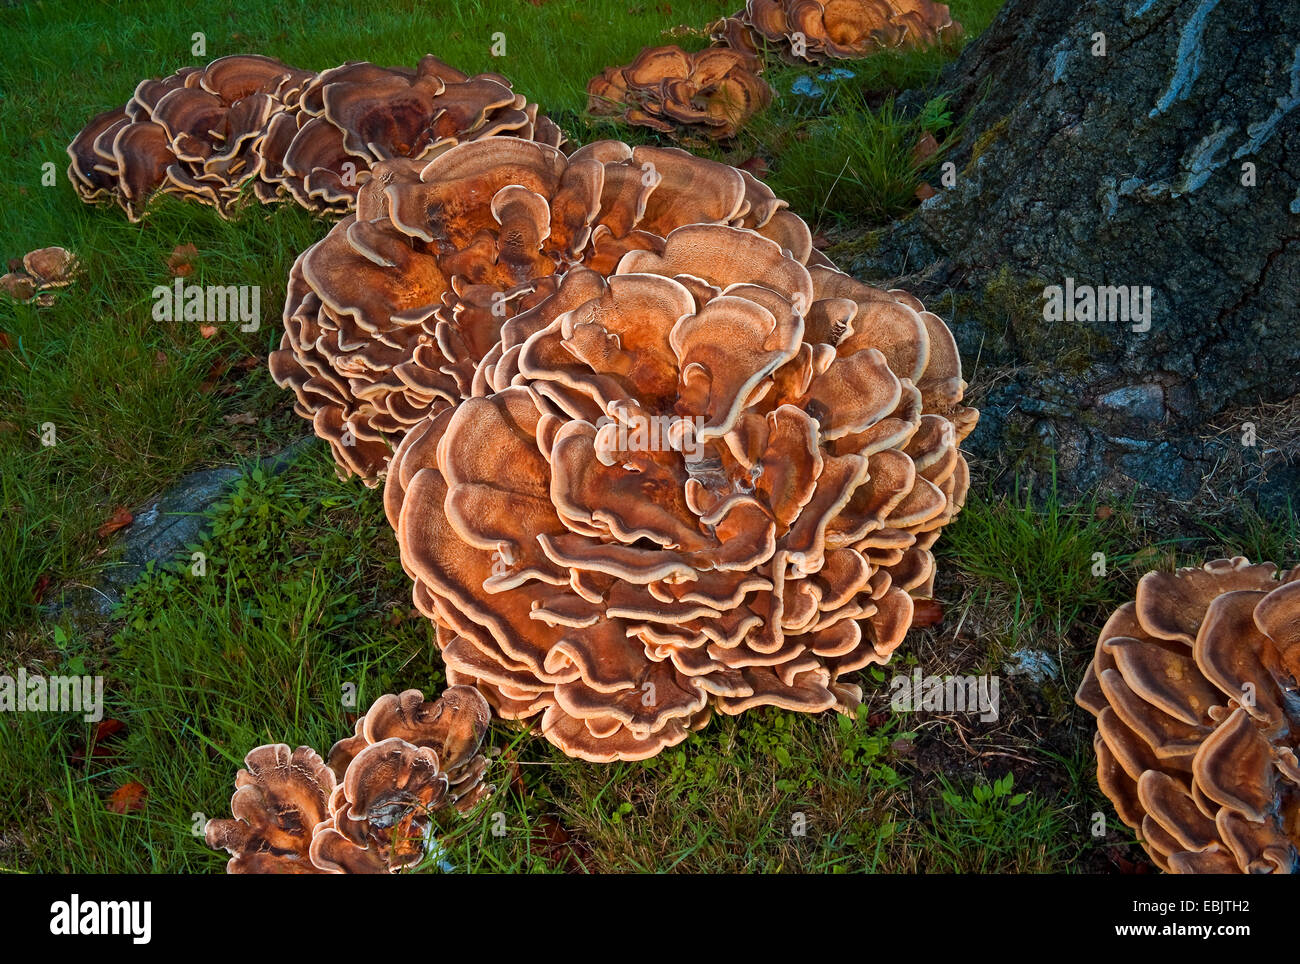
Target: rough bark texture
pixel 1126 169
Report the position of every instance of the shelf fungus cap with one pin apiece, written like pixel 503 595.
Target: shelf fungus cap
pixel 682 489
pixel 813 31
pixel 449 264
pixel 1193 688
pixel 713 92
pixel 246 120
pixel 280 797
pixel 43 271
pixel 373 808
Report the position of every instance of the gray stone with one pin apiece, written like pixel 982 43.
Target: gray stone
pixel 1146 402
pixel 160 530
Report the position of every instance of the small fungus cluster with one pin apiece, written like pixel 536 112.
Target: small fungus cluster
pixel 370 808
pixel 1194 689
pixel 713 92
pixel 39 274
pixel 817 30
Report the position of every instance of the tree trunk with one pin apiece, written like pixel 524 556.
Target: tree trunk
pixel 1143 144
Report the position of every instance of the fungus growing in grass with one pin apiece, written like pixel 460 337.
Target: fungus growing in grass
pixel 389 316
pixel 710 481
pixel 371 808
pixel 713 92
pixel 842 29
pixel 247 121
pixel 193 134
pixel 351 117
pixel 43 271
pixel 1194 689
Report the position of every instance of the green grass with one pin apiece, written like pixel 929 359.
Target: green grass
pixel 990 830
pixel 302 594
pixel 1056 561
pixel 855 165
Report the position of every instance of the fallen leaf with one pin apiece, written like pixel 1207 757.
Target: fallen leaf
pixel 6 342
pixel 925 148
pixel 102 742
pixel 248 361
pixel 755 165
pixel 240 418
pixel 926 612
pixel 1104 512
pixel 128 798
pixel 181 261
pixel 38 590
pixel 120 519
pixel 1124 865
pixel 106 728
pixel 207 331
pixel 924 192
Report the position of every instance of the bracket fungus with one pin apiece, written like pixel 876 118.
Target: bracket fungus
pixel 370 807
pixel 714 91
pixel 388 316
pixel 42 272
pixel 194 134
pixel 250 122
pixel 1194 687
pixel 351 117
pixel 814 30
pixel 709 480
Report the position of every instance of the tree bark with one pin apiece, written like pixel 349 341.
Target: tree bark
pixel 1128 143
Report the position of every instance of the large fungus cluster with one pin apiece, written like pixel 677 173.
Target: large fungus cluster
pixel 250 124
pixel 814 30
pixel 708 479
pixel 369 808
pixel 713 92
pixel 388 316
pixel 1194 687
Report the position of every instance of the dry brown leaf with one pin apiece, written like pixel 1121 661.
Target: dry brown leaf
pixel 120 519
pixel 128 798
pixel 925 148
pixel 181 261
pixel 926 612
